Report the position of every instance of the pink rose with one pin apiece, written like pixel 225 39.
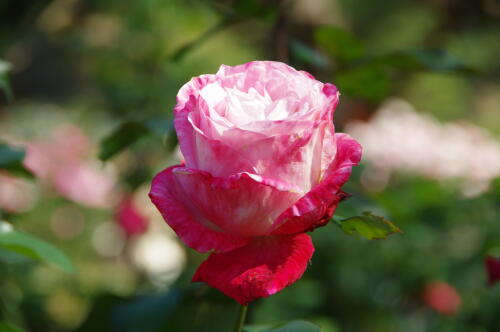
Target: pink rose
pixel 263 166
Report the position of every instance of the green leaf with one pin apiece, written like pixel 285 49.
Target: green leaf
pixel 4 327
pixel 294 326
pixel 32 247
pixel 339 43
pixel 122 137
pixel 5 68
pixel 306 54
pixel 368 225
pixel 131 131
pixel 11 159
pixel 368 82
pixel 434 60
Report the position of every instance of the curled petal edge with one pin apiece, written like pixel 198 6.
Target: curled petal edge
pixel 316 207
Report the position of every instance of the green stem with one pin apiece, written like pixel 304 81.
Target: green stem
pixel 240 322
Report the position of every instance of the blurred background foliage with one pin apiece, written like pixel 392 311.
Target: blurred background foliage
pixel 85 122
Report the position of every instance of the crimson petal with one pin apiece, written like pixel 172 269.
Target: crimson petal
pixel 196 235
pixel 260 269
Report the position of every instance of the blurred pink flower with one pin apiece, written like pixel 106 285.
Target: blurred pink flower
pixel 442 297
pixel 492 269
pixel 16 194
pixel 129 217
pixel 67 145
pixel 63 161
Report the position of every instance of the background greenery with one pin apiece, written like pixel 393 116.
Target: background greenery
pixel 113 69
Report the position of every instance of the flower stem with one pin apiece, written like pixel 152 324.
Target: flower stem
pixel 240 322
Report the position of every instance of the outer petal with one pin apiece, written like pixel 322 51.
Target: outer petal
pixel 260 269
pixel 242 204
pixel 200 237
pixel 315 208
pixel 187 101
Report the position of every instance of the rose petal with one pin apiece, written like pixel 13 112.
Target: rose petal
pixel 294 158
pixel 242 204
pixel 201 237
pixel 317 207
pixel 260 269
pixel 206 154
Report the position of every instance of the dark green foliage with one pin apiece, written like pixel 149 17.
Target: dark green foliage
pixel 11 159
pixel 339 43
pixel 4 327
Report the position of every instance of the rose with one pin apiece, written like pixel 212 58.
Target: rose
pixel 263 166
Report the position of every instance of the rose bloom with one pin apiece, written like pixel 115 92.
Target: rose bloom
pixel 263 166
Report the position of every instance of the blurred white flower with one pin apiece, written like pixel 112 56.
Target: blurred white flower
pixel 157 252
pixel 398 138
pixel 160 256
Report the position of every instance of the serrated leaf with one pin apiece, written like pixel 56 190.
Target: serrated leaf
pixel 32 247
pixel 4 327
pixel 11 159
pixel 294 326
pixel 339 43
pixel 368 225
